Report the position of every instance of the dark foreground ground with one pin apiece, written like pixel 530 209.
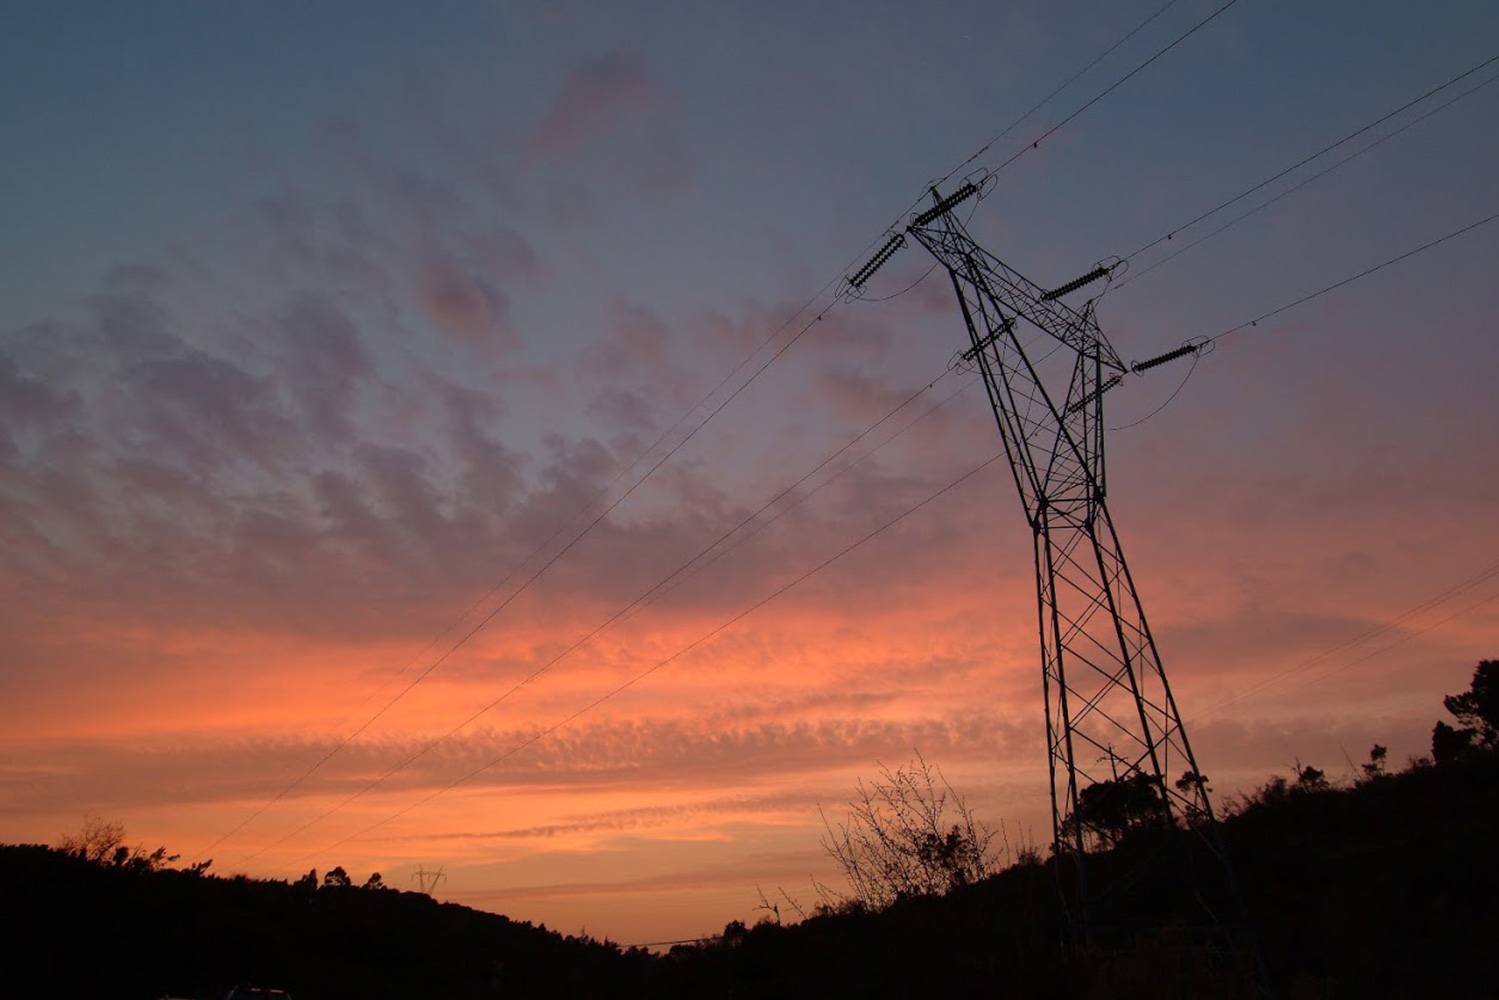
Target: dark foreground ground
pixel 1386 889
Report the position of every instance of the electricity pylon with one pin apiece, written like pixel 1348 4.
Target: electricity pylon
pixel 1117 749
pixel 427 881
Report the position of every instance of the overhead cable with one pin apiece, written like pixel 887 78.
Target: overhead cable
pixel 1355 277
pixel 1429 604
pixel 642 675
pixel 590 635
pixel 1170 234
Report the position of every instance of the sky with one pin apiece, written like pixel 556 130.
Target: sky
pixel 324 328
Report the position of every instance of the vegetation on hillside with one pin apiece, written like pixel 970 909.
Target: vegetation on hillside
pixel 1383 886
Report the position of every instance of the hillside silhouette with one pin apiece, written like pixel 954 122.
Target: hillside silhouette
pixel 93 929
pixel 1384 886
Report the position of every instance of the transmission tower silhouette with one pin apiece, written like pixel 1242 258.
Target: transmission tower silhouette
pixel 427 880
pixel 1116 743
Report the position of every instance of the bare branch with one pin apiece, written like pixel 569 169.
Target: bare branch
pixel 909 833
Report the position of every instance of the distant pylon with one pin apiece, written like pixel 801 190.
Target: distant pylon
pixel 427 881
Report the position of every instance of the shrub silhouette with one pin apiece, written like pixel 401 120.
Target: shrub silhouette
pixel 1310 779
pixel 1375 768
pixel 907 834
pixel 1110 809
pixel 104 843
pixel 1477 710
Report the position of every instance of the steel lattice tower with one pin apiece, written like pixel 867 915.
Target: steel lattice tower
pixel 1115 738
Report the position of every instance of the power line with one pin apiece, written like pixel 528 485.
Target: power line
pixel 664 586
pixel 1033 145
pixel 1116 84
pixel 1354 277
pixel 494 612
pixel 618 615
pixel 987 145
pixel 1267 315
pixel 1198 345
pixel 803 498
pixel 1307 159
pixel 562 525
pixel 1196 359
pixel 663 944
pixel 807 305
pixel 924 274
pixel 1060 87
pixel 904 403
pixel 1130 279
pixel 344 742
pixel 1402 640
pixel 1429 604
pixel 764 525
pixel 1104 680
pixel 673 580
pixel 642 675
pixel 1170 234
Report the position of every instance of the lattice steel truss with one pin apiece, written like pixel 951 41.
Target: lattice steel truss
pixel 1115 737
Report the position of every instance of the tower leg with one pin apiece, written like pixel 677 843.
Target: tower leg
pixel 1118 759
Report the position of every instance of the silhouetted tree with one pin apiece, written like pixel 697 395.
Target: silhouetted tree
pixel 375 881
pixel 104 843
pixel 908 835
pixel 1375 768
pixel 337 878
pixel 1110 809
pixel 1309 778
pixel 772 910
pixel 95 842
pixel 1477 709
pixel 307 884
pixel 1449 745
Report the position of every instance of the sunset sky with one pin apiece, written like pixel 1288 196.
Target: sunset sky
pixel 317 320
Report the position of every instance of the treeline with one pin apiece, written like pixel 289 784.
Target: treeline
pixel 84 927
pixel 1383 888
pixel 1383 885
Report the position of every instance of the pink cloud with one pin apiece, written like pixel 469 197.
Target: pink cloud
pixel 596 95
pixel 636 335
pixel 652 753
pixel 463 305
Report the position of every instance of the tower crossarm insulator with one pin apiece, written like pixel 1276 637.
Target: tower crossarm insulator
pixel 1075 284
pixel 967 262
pixel 1103 387
pixel 1161 359
pixel 883 254
pixel 962 194
pixel 988 338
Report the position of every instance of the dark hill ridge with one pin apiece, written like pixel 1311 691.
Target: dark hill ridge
pixel 1388 888
pixel 93 930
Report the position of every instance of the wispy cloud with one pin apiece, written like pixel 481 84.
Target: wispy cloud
pixel 595 96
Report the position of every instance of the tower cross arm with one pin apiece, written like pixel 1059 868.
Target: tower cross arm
pixel 947 240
